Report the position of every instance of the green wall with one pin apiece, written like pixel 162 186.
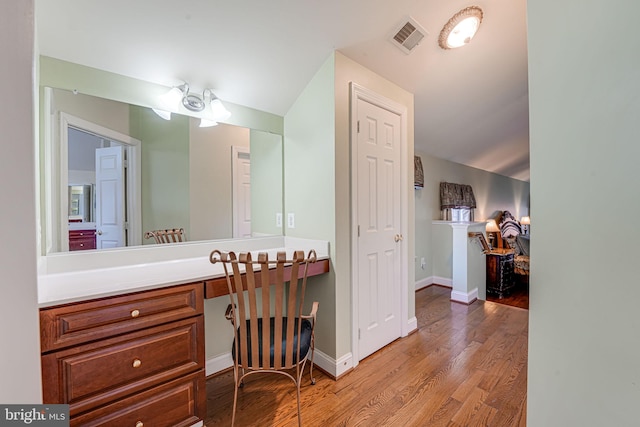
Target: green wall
pixel 493 193
pixel 584 344
pixel 91 81
pixel 309 183
pixel 165 169
pixel 318 186
pixel 266 185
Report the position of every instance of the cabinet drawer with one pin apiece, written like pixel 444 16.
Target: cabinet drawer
pixel 73 324
pixel 93 374
pixel 82 244
pixel 178 403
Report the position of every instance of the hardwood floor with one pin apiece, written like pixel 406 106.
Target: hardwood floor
pixel 518 298
pixel 465 366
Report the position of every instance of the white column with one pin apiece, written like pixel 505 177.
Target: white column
pixel 468 269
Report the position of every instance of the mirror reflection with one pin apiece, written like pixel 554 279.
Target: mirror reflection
pixel 123 171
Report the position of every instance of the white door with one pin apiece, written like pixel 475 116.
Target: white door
pixel 379 224
pixel 241 192
pixel 110 206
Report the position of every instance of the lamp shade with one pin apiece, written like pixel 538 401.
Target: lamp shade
pixel 492 227
pixel 525 220
pixel 220 113
pixel 164 114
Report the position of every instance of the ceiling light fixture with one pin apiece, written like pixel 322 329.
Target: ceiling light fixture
pixel 461 28
pixel 213 110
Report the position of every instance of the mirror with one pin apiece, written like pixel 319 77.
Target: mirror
pixel 217 182
pixel 80 203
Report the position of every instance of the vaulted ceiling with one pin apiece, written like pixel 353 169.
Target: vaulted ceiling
pixel 471 103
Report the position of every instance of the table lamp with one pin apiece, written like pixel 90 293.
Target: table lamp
pixel 525 221
pixel 492 230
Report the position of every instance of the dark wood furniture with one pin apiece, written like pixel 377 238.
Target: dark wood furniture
pixel 500 278
pixel 135 359
pixel 80 240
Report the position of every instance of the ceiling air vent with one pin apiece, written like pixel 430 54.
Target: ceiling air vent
pixel 408 36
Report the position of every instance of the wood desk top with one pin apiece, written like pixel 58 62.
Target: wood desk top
pixel 218 286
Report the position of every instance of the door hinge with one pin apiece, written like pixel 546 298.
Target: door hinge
pixel 358 333
pixel 358 231
pixel 358 126
pixel 126 225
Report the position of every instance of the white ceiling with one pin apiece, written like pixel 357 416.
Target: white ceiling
pixel 471 103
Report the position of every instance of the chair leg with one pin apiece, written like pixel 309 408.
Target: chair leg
pixel 313 349
pixel 298 395
pixel 236 385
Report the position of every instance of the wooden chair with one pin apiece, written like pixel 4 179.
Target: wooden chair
pixel 286 344
pixel 171 235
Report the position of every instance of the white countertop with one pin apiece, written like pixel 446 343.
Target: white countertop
pixel 77 276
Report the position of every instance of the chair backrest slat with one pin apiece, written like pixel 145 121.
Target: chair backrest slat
pixel 242 314
pixel 285 291
pixel 263 259
pixel 170 235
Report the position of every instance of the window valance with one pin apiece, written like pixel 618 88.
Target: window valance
pixel 418 173
pixel 456 196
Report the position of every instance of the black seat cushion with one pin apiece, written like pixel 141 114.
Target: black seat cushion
pixel 305 341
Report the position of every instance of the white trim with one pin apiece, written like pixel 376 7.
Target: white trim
pixel 328 364
pixel 433 280
pixel 360 92
pixel 218 363
pixel 332 366
pixel 56 158
pixel 412 324
pixel 444 281
pixel 465 298
pixel 236 151
pixel 423 283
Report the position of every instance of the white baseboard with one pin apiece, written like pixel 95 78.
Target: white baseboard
pixel 465 298
pixel 412 325
pixel 218 363
pixel 326 363
pixel 433 280
pixel 443 281
pixel 331 366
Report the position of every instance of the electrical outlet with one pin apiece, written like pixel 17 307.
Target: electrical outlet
pixel 291 220
pixel 423 263
pixel 279 220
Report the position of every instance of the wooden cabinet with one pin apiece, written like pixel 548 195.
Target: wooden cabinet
pixel 80 240
pixel 500 279
pixel 130 359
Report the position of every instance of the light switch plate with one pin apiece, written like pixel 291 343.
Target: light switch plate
pixel 279 220
pixel 291 220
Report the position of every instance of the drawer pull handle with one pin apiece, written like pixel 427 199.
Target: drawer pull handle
pixel 139 424
pixel 137 363
pixel 135 313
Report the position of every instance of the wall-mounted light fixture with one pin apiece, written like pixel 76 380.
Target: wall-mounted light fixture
pixel 212 109
pixel 461 28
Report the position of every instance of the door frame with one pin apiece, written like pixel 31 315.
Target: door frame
pixel 359 92
pixel 236 152
pixel 132 176
pixel 55 160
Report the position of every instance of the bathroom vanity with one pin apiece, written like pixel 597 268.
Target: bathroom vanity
pixel 125 344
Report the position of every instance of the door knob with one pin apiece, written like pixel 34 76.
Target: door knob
pixel 99 232
pixel 397 237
